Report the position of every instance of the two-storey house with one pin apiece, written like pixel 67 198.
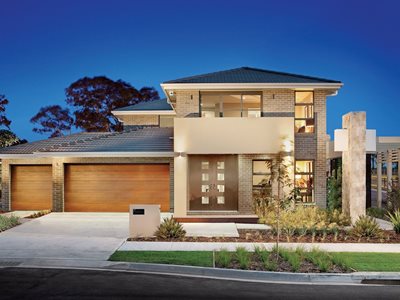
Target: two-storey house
pixel 201 152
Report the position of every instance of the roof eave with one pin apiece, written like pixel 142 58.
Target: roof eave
pixel 247 86
pixel 89 154
pixel 142 112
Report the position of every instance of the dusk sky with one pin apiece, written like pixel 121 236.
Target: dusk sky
pixel 47 45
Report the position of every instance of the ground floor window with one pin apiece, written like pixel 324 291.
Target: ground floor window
pixel 304 180
pixel 261 173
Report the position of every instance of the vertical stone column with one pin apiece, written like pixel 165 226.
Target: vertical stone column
pixel 389 169
pixel 379 179
pixel 354 169
pixel 5 186
pixel 58 184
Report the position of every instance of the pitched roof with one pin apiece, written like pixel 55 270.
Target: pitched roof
pixel 149 139
pixel 251 75
pixel 160 104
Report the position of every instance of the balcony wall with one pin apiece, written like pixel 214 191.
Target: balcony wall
pixel 232 135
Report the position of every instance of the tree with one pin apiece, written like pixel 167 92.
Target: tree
pixel 8 138
pixel 3 119
pixel 148 94
pixel 94 98
pixel 53 119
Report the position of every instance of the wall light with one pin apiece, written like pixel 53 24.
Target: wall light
pixel 287 145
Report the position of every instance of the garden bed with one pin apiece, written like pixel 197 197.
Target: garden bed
pixel 7 222
pixel 38 214
pixel 314 261
pixel 267 236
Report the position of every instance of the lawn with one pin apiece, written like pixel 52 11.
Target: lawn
pixel 192 258
pixel 379 262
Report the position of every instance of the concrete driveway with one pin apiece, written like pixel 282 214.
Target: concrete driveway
pixel 88 236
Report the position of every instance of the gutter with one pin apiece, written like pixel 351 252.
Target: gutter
pixel 247 86
pixel 87 154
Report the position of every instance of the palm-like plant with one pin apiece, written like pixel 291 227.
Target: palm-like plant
pixel 395 219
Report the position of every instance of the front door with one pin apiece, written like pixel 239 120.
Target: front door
pixel 213 182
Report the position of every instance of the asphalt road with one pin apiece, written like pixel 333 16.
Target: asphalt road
pixel 16 283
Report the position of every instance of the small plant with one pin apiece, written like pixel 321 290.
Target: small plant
pixel 242 257
pixel 293 258
pixel 320 258
pixel 8 222
pixel 395 219
pixel 170 229
pixel 340 261
pixel 261 253
pixel 367 227
pixel 376 212
pixel 223 258
pixel 270 265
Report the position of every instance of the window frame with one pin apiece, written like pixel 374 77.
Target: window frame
pixel 258 173
pixel 312 173
pixel 221 105
pixel 304 105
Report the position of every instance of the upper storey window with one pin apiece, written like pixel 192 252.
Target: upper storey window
pixel 214 105
pixel 304 112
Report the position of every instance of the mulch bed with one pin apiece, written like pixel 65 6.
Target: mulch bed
pixel 266 236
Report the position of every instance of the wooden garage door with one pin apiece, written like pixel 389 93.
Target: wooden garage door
pixel 31 187
pixel 112 188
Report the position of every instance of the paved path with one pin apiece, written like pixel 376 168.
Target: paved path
pixel 89 284
pixel 66 236
pixel 198 246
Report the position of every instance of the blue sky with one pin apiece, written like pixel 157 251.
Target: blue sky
pixel 47 45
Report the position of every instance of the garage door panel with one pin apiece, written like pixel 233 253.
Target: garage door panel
pixel 114 187
pixel 31 187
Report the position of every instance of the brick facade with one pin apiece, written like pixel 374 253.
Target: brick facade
pixel 139 120
pixel 58 174
pixel 277 103
pixel 187 102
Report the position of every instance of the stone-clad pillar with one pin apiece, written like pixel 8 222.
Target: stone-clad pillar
pixel 58 184
pixel 354 169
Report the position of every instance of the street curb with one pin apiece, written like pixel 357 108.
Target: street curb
pixel 205 272
pixel 263 276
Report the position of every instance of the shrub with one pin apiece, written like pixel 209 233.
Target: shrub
pixel 367 227
pixel 223 258
pixel 376 212
pixel 242 257
pixel 336 216
pixel 170 229
pixel 393 197
pixel 334 190
pixel 7 222
pixel 395 219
